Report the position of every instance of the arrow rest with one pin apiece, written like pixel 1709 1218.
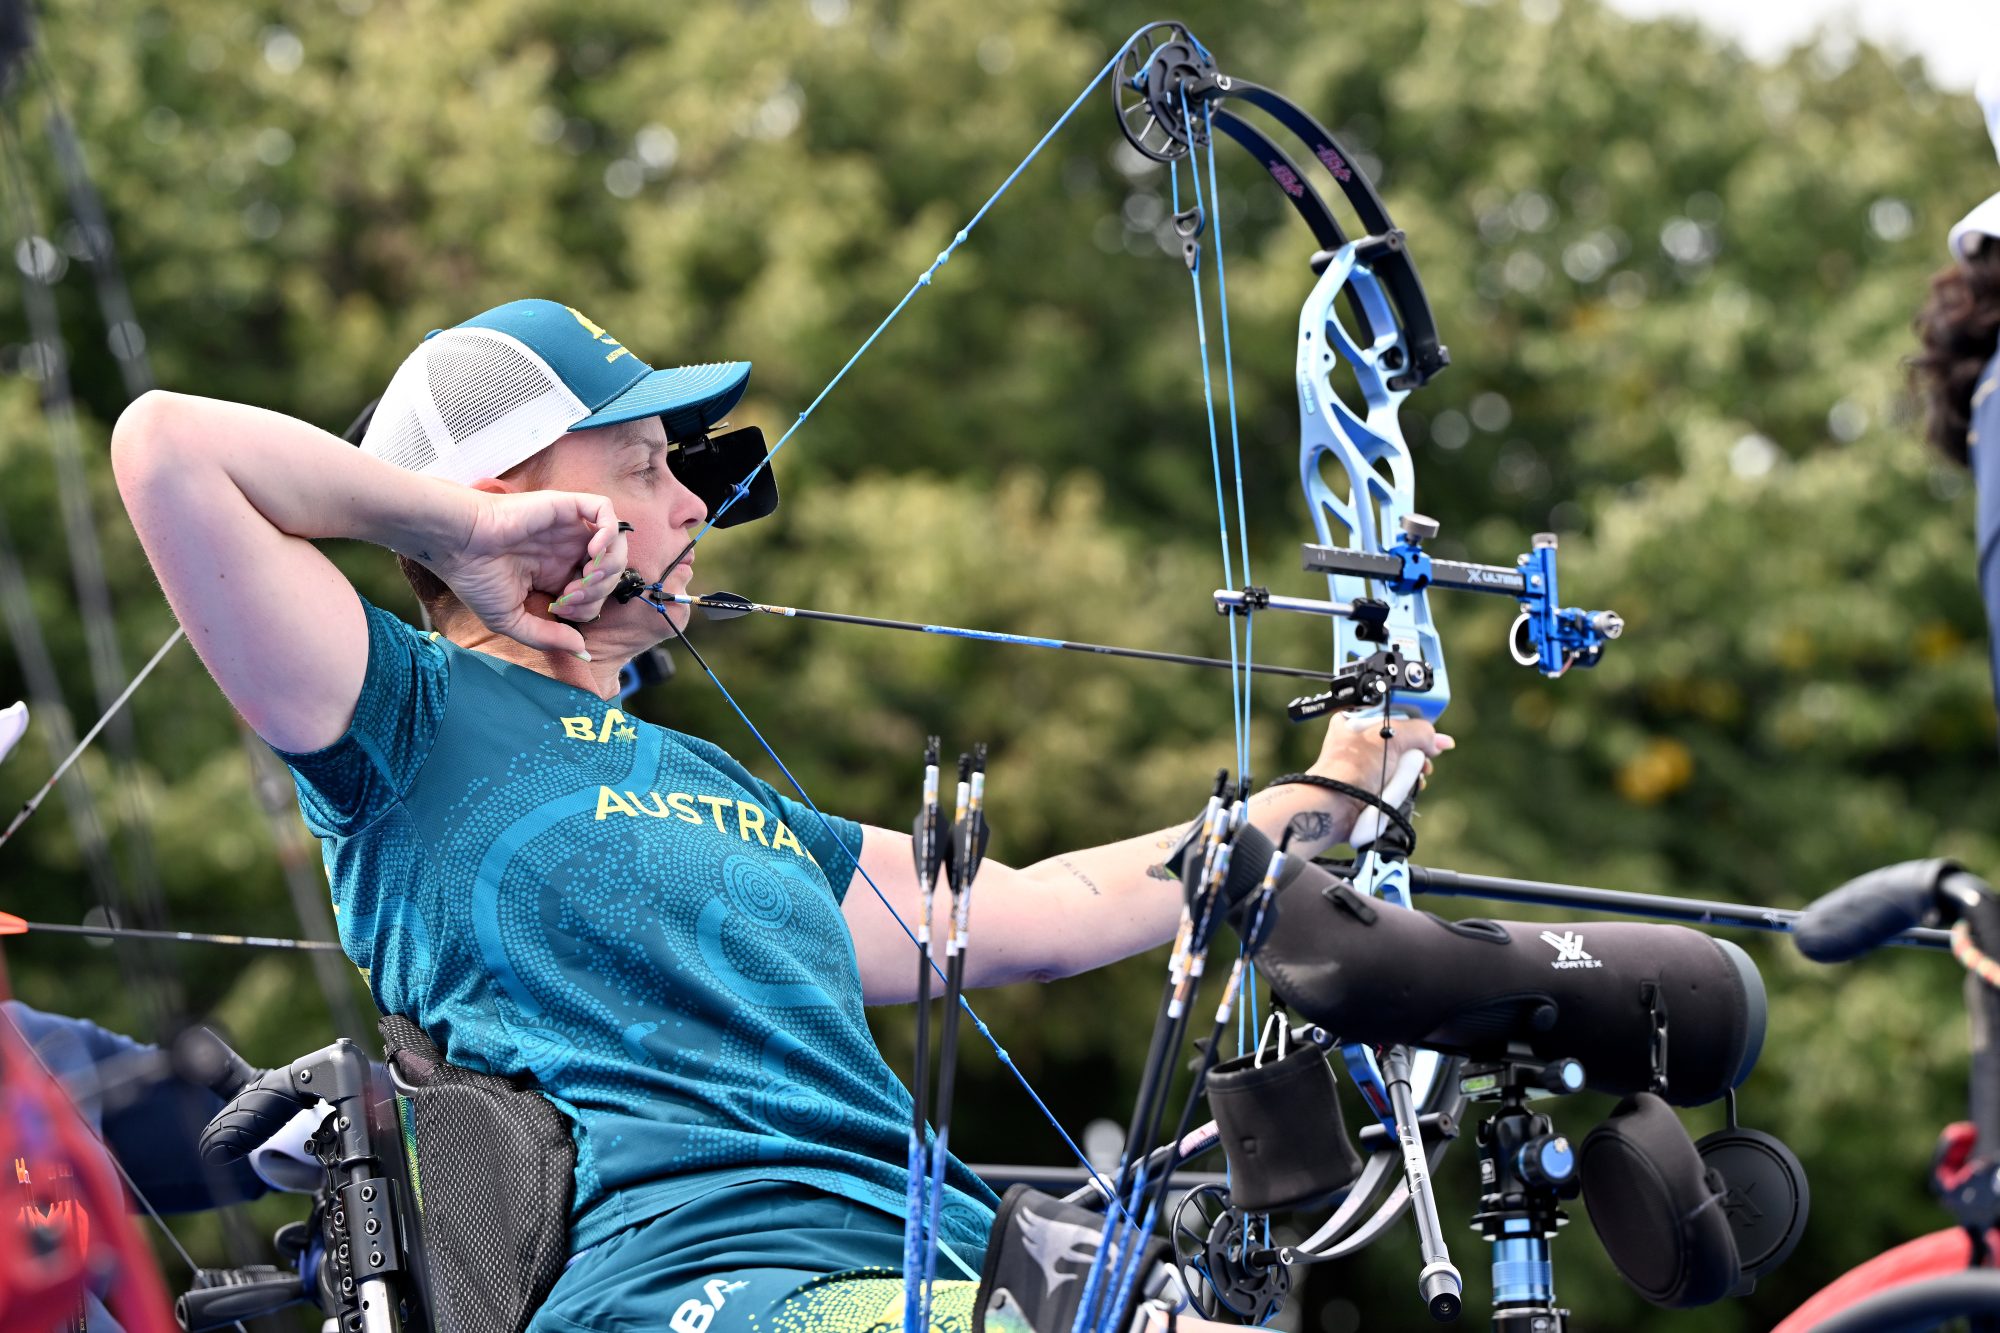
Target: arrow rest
pixel 1369 683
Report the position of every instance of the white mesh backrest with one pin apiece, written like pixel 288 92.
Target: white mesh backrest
pixel 470 403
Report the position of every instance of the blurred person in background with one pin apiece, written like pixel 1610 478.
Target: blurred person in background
pixel 622 913
pixel 1958 370
pixel 147 1113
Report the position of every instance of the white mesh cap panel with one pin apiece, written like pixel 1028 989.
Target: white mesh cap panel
pixel 396 434
pixel 470 403
pixel 476 379
pixel 405 443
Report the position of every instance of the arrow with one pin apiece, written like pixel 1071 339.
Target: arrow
pixel 729 605
pixel 14 925
pixel 35 801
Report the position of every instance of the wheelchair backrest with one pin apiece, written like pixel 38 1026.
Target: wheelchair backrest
pixel 492 1170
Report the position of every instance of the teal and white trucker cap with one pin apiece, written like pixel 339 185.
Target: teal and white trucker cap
pixel 476 399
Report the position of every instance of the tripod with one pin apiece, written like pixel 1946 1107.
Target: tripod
pixel 1526 1170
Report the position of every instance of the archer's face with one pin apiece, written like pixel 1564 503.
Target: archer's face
pixel 627 464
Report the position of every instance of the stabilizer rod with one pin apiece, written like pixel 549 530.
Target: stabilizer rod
pixel 1621 902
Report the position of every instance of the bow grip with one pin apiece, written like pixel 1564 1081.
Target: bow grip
pixel 1402 786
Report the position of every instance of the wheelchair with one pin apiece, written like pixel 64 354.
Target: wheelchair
pixel 372 1255
pixel 444 1197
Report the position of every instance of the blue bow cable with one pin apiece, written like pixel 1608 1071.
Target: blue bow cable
pixel 923 281
pixel 1238 691
pixel 1124 1239
pixel 1229 391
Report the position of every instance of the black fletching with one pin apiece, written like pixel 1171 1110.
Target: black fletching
pixel 724 605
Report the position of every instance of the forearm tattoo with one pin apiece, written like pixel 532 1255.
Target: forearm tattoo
pixel 1312 826
pixel 1079 876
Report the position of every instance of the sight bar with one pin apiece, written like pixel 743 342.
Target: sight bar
pixel 1456 574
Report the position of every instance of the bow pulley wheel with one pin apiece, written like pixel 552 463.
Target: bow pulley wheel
pixel 1162 77
pixel 1213 1248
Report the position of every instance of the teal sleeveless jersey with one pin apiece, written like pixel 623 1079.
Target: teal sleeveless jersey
pixel 550 887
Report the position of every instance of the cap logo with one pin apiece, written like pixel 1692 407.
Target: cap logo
pixel 617 348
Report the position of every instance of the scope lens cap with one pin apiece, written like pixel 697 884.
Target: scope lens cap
pixel 1767 1199
pixel 1656 1207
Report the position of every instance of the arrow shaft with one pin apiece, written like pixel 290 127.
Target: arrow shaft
pixel 89 736
pixel 996 636
pixel 179 936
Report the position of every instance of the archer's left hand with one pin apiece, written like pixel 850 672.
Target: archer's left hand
pixel 1356 752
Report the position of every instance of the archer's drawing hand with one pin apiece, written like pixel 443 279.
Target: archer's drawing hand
pixel 559 544
pixel 1356 752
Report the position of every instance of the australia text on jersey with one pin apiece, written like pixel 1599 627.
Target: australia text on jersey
pixel 747 820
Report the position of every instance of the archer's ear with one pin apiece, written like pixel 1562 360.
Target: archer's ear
pixel 495 486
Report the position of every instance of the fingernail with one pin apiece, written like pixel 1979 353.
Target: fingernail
pixel 564 598
pixel 583 656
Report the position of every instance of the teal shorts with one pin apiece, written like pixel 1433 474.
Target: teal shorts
pixel 766 1257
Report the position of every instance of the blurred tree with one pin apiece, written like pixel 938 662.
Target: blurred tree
pixel 1675 282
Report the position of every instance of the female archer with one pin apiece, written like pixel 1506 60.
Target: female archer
pixel 667 946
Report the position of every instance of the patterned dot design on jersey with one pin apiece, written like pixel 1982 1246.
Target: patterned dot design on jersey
pixel 864 1305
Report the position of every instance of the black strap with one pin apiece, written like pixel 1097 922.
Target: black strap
pixel 1401 821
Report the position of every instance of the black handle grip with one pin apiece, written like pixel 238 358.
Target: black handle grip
pixel 201 1056
pixel 232 1294
pixel 1869 911
pixel 250 1117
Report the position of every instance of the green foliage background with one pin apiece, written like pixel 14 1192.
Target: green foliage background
pixel 1676 285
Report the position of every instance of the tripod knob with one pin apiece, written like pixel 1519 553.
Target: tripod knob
pixel 1547 1161
pixel 1563 1075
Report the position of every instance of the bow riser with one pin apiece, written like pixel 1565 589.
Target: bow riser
pixel 1374 486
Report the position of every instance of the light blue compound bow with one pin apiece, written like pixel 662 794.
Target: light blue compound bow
pixel 1359 479
pixel 1355 467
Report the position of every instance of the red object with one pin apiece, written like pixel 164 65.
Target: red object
pixel 1954 1165
pixel 49 1255
pixel 1935 1255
